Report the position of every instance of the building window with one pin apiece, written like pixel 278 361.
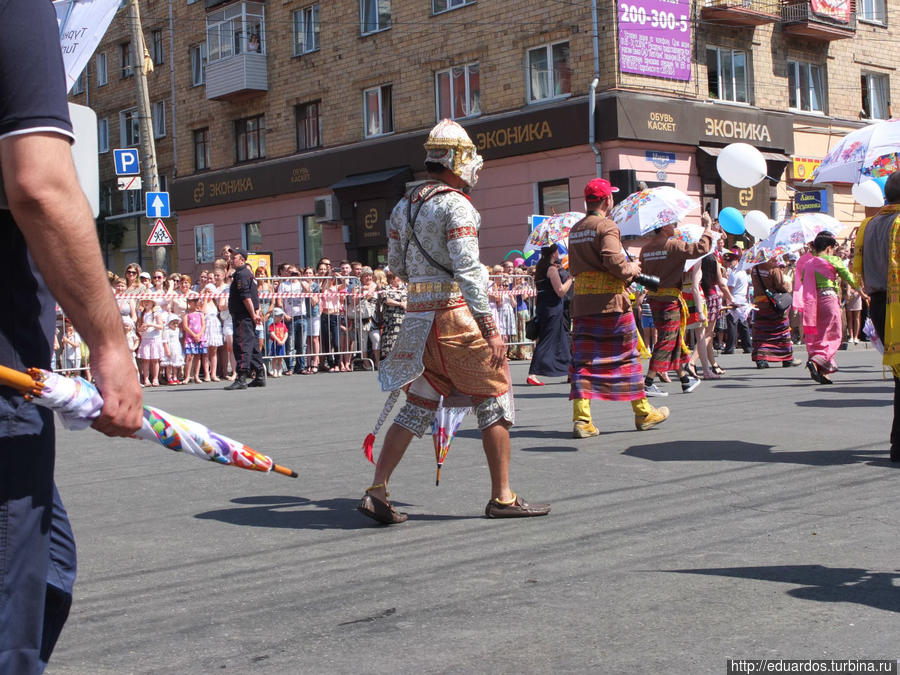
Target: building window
pixel 106 193
pixel 102 74
pixel 549 74
pixel 438 6
pixel 458 92
pixel 306 30
pixel 727 74
pixel 309 129
pixel 103 135
pixel 201 149
pixel 126 58
pixel 310 240
pixel 156 47
pixel 237 29
pixel 553 197
pixel 130 127
pixel 78 87
pixel 876 101
pixel 871 10
pixel 250 138
pixel 204 244
pixel 374 15
pixel 198 64
pixel 251 236
pixel 806 88
pixel 378 111
pixel 131 201
pixel 159 119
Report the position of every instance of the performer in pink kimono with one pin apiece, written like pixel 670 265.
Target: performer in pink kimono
pixel 822 306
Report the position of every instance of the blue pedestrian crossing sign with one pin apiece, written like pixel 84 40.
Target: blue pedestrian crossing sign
pixel 157 204
pixel 127 163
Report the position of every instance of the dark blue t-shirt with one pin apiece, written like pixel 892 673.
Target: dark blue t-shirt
pixel 32 98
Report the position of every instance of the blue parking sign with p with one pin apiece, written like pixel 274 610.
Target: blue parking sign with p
pixel 127 163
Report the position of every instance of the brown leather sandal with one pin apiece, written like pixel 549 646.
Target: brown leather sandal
pixel 379 510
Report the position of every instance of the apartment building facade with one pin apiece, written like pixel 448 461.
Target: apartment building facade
pixel 296 125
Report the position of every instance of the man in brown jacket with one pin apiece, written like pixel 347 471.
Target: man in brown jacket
pixel 664 255
pixel 605 359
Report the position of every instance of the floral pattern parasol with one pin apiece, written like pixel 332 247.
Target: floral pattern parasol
pixel 870 152
pixel 651 209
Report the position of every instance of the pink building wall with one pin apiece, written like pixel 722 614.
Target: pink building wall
pixel 506 194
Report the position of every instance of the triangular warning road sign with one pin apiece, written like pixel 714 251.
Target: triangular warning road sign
pixel 160 235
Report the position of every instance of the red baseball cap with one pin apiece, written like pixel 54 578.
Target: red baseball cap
pixel 598 189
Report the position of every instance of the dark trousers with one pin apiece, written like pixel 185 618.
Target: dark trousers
pixel 37 549
pixel 330 331
pixel 737 331
pixel 877 312
pixel 298 346
pixel 246 347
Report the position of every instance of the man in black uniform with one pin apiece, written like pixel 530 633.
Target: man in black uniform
pixel 44 218
pixel 243 303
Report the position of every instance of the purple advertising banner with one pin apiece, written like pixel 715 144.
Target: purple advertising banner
pixel 655 38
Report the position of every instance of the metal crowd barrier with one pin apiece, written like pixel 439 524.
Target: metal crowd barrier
pixel 343 336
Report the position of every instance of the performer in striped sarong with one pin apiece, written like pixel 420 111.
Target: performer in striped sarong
pixel 605 359
pixel 664 255
pixel 771 329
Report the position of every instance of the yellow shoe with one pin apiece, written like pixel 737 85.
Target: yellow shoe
pixel 584 429
pixel 650 420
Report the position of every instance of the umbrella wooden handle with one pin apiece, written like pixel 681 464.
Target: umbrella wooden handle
pixel 283 470
pixel 22 382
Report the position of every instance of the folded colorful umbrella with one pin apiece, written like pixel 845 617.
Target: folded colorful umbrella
pixel 78 404
pixel 443 428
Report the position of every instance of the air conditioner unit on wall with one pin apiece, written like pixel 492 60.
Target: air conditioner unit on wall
pixel 327 208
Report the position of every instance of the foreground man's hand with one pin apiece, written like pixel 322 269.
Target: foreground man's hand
pixel 122 413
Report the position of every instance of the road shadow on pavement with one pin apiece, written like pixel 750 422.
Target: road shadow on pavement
pixel 742 451
pixel 300 513
pixel 822 584
pixel 845 403
pixel 292 512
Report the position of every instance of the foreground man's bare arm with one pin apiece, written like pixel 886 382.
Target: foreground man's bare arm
pixel 53 214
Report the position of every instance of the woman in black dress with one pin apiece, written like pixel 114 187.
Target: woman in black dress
pixel 552 350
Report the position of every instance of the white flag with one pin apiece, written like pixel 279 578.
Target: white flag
pixel 82 24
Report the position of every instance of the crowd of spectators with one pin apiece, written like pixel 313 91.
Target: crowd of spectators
pixel 337 318
pixel 331 318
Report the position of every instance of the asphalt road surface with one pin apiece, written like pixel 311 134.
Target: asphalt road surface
pixel 760 521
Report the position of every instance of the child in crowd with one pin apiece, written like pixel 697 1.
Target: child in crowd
pixel 194 326
pixel 150 326
pixel 71 352
pixel 173 359
pixel 278 334
pixel 132 339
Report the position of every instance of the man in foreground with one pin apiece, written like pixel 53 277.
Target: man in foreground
pixel 44 219
pixel 876 261
pixel 449 344
pixel 605 359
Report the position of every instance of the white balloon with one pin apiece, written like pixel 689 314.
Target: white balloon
pixel 741 165
pixel 757 224
pixel 868 193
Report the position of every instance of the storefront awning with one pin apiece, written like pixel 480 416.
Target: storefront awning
pixel 369 178
pixel 713 151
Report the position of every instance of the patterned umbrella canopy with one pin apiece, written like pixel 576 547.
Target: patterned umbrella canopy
pixel 642 212
pixel 554 229
pixel 869 152
pixel 799 229
pixel 78 403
